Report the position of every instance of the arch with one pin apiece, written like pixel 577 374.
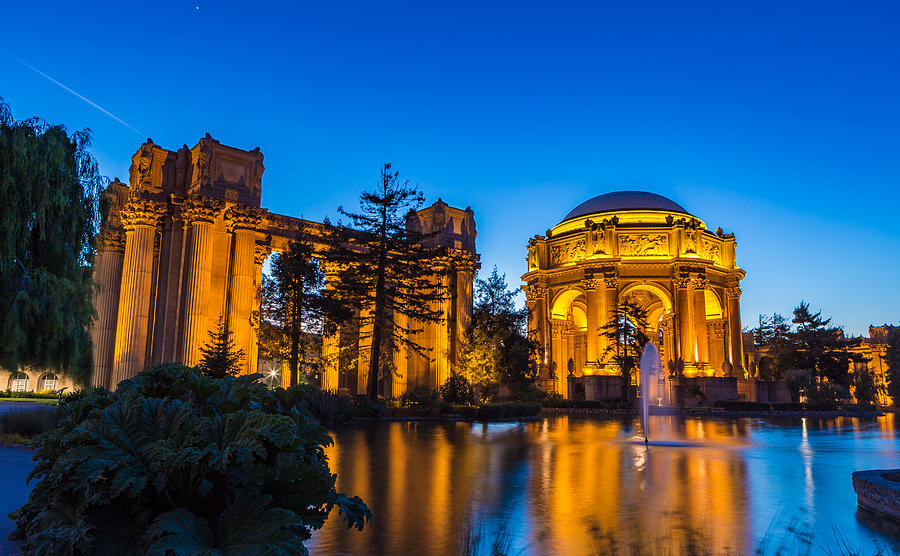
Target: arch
pixel 18 382
pixel 579 316
pixel 713 305
pixel 562 302
pixel 653 288
pixel 48 381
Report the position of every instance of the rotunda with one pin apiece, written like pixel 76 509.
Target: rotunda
pixel 649 250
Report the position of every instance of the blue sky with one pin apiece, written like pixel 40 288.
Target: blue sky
pixel 777 121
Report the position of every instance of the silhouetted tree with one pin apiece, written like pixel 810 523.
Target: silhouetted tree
pixel 49 215
pixel 220 357
pixel 384 270
pixel 893 362
pixel 627 338
pixel 773 332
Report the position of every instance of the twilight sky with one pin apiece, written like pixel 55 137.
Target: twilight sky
pixel 778 121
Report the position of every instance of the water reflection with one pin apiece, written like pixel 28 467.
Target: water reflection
pixel 566 485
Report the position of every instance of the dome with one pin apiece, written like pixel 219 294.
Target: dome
pixel 625 200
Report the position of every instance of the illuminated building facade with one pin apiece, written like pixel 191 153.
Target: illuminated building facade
pixel 643 247
pixel 184 245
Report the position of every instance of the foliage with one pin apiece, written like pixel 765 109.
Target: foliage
pixel 220 357
pixel 389 275
pixel 507 410
pixel 48 218
pixel 585 404
pixel 421 397
pixel 893 362
pixel 328 408
pixel 44 395
pixel 28 422
pixel 294 309
pixel 496 349
pixel 774 332
pixel 865 389
pixel 457 390
pixel 625 331
pixel 175 462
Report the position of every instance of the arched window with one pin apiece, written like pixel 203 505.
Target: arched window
pixel 18 382
pixel 48 382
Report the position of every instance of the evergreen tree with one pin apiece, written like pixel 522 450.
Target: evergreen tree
pixel 820 351
pixel 627 338
pixel 385 271
pixel 219 357
pixel 49 216
pixel 774 333
pixel 496 348
pixel 295 309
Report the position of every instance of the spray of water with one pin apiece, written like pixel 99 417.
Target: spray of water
pixel 649 371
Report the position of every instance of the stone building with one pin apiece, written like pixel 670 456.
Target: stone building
pixel 647 248
pixel 184 244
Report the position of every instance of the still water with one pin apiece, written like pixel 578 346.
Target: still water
pixel 577 485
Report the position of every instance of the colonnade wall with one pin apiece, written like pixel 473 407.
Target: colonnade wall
pixel 184 244
pixel 669 264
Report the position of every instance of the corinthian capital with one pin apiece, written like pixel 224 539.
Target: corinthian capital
pixel 261 253
pixel 113 241
pixel 197 208
pixel 243 217
pixel 138 213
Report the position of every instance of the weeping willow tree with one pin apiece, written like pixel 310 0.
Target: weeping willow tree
pixel 49 215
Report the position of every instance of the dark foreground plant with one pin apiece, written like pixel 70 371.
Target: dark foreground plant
pixel 178 463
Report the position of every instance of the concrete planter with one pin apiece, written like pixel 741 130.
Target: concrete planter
pixel 878 490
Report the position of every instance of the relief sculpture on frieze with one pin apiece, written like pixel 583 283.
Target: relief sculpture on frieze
pixel 642 245
pixel 567 253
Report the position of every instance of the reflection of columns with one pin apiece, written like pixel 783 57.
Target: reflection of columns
pixel 698 286
pixel 593 331
pixel 736 351
pixel 139 217
pixel 107 283
pixel 260 253
pixel 201 212
pixel 243 221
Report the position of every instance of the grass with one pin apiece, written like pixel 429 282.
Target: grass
pixel 41 401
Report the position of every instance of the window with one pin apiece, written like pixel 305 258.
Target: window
pixel 48 382
pixel 18 382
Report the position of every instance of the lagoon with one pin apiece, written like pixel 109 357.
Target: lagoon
pixel 583 485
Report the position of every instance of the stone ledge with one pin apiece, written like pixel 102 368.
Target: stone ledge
pixel 878 490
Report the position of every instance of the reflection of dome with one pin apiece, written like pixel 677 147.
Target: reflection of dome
pixel 625 200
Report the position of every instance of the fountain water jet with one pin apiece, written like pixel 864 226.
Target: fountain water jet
pixel 649 371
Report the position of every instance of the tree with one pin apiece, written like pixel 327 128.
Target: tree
pixel 821 350
pixel 774 333
pixel 294 308
pixel 219 357
pixel 893 362
pixel 386 273
pixel 496 348
pixel 627 338
pixel 49 216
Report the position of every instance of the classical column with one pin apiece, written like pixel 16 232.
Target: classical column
pixel 684 324
pixel 610 301
pixel 202 213
pixel 243 221
pixel 536 303
pixel 698 286
pixel 366 328
pixel 736 351
pixel 558 356
pixel 260 253
pixel 139 217
pixel 107 286
pixel 442 335
pixel 593 330
pixel 399 376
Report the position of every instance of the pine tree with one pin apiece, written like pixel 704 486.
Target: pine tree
pixel 296 309
pixel 49 215
pixel 220 357
pixel 384 270
pixel 627 338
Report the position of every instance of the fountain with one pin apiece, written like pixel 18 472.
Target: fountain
pixel 649 371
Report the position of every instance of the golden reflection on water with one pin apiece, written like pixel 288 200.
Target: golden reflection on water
pixel 559 485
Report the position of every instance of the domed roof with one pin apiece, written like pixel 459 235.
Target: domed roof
pixel 625 200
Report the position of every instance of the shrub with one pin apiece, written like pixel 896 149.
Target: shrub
pixel 586 404
pixel 737 405
pixel 508 410
pixel 787 406
pixel 457 390
pixel 28 422
pixel 175 462
pixel 44 394
pixel 421 397
pixel 824 405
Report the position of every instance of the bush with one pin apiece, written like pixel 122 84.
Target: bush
pixel 421 397
pixel 44 394
pixel 507 410
pixel 787 406
pixel 824 405
pixel 175 462
pixel 586 404
pixel 457 390
pixel 28 422
pixel 736 405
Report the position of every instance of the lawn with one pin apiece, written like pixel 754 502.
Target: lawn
pixel 43 401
